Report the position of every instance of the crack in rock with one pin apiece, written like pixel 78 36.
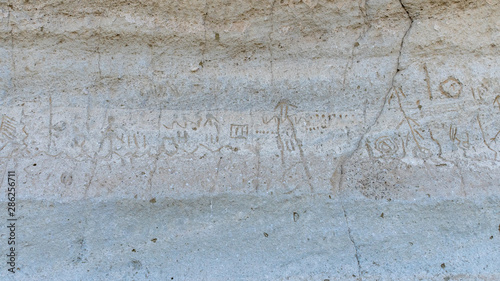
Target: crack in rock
pixel 366 27
pixel 402 41
pixel 356 249
pixel 360 140
pixel 379 114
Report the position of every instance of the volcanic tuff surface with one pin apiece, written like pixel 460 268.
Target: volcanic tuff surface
pixel 253 140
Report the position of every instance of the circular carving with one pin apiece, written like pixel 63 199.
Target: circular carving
pixel 386 145
pixel 451 87
pixel 66 178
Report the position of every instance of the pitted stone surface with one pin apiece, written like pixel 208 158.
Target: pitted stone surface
pixel 368 103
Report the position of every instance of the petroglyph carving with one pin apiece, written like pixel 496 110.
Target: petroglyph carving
pixel 496 101
pixel 320 121
pixel 286 135
pixel 70 140
pixel 182 137
pixel 169 146
pixel 428 81
pixel 8 128
pixel 422 152
pixel 66 178
pixel 288 144
pixel 60 126
pixel 78 141
pixel 414 127
pixel 487 143
pixel 211 128
pixel 451 87
pixel 494 139
pixel 8 135
pixel 120 142
pixel 190 136
pixel 387 147
pixel 194 125
pixel 479 93
pixel 462 141
pixel 239 131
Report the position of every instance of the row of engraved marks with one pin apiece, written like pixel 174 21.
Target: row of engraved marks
pixel 478 138
pixel 183 132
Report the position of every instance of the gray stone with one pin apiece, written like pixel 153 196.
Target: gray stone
pixel 252 140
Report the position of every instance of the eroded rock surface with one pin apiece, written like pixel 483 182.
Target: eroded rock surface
pixel 373 101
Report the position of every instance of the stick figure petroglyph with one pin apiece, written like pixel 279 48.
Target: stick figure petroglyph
pixel 289 145
pixel 285 130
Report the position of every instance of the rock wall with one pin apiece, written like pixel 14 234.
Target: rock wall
pixel 345 103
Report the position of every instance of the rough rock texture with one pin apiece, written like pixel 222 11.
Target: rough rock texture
pixel 251 139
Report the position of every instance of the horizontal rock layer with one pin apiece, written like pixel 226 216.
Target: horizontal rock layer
pixel 369 103
pixel 156 99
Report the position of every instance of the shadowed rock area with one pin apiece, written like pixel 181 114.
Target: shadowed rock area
pixel 251 140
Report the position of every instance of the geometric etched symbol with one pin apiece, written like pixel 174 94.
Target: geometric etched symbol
pixel 497 101
pixel 7 128
pixel 451 87
pixel 239 131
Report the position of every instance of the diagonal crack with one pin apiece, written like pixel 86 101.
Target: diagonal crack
pixel 402 40
pixel 356 250
pixel 344 159
pixel 368 129
pixel 406 10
